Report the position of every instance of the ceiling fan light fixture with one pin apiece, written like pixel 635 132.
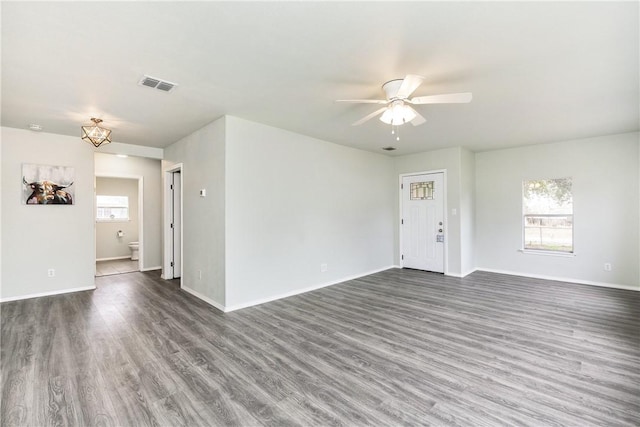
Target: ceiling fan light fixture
pixel 398 114
pixel 96 134
pixel 387 116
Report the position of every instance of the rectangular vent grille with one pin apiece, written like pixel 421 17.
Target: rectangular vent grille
pixel 148 81
pixel 165 86
pixel 156 83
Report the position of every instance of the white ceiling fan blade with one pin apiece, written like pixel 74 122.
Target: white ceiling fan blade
pixel 369 117
pixel 363 101
pixel 418 119
pixel 409 84
pixel 449 98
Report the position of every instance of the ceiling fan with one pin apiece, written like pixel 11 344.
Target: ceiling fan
pixel 397 110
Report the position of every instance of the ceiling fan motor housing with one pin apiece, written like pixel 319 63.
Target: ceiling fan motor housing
pixel 391 88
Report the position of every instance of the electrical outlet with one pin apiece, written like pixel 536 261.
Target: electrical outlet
pixel 607 266
pixel 51 272
pixel 323 268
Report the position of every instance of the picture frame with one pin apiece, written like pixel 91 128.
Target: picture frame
pixel 47 185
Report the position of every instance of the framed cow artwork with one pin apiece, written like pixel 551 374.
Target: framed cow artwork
pixel 47 185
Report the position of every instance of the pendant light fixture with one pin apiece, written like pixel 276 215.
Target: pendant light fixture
pixel 96 134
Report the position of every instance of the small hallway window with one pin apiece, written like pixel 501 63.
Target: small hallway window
pixel 548 215
pixel 112 208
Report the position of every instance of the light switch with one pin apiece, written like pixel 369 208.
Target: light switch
pixel 454 211
pixel 203 193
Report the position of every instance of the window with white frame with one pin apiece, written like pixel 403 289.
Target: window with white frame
pixel 112 208
pixel 547 206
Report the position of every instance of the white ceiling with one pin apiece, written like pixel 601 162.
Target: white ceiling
pixel 539 72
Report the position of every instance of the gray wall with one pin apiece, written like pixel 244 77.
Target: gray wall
pixel 278 206
pixel 606 191
pixel 467 211
pixel 451 160
pixel 202 155
pixel 37 238
pixel 150 171
pixel 108 244
pixel 315 202
pixel 294 203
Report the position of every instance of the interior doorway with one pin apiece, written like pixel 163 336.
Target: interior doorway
pixel 173 223
pixel 119 224
pixel 422 221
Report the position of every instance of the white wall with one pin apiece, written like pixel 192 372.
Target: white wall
pixel 449 159
pixel 37 238
pixel 467 211
pixel 294 203
pixel 606 192
pixel 1 217
pixel 203 167
pixel 150 171
pixel 279 204
pixel 132 150
pixel 108 244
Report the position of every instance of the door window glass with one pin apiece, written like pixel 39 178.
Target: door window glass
pixel 421 190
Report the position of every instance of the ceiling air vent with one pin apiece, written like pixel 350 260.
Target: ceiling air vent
pixel 388 148
pixel 156 83
pixel 165 86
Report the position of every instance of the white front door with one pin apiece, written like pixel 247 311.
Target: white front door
pixel 422 222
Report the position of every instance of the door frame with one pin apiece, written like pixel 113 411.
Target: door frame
pixel 446 216
pixel 166 223
pixel 140 180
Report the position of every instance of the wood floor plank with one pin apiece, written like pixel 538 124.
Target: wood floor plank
pixel 15 403
pixel 178 410
pixel 510 363
pixel 400 347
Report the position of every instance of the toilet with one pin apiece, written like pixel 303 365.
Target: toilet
pixel 134 246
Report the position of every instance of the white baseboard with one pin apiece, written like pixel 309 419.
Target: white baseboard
pixel 468 272
pixel 447 273
pixel 114 258
pixel 300 291
pixel 204 298
pixel 562 279
pixel 47 294
pixel 151 268
pixel 460 275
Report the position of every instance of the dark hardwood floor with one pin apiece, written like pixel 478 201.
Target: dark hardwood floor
pixel 401 347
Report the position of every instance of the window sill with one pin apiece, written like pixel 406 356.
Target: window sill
pixel 113 220
pixel 547 253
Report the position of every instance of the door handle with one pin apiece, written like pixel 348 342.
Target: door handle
pixel 440 230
